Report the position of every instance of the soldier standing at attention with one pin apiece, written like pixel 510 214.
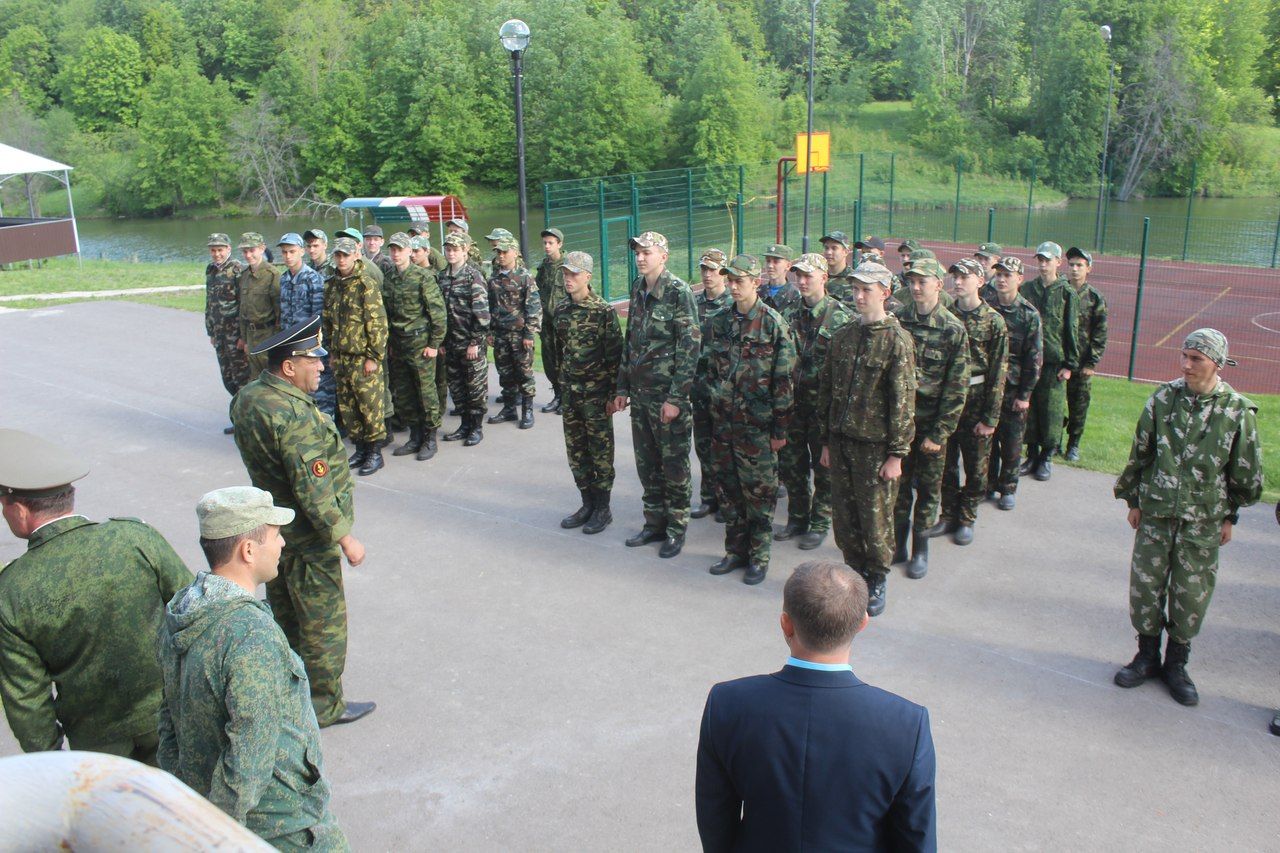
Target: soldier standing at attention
pixel 1059 308
pixel 835 249
pixel 588 340
pixel 417 320
pixel 259 286
pixel 355 322
pixel 902 292
pixel 751 361
pixel 986 255
pixel 1026 357
pixel 516 316
pixel 1093 343
pixel 222 314
pixel 317 258
pixel 420 253
pixel 813 320
pixel 868 399
pixel 870 250
pixel 317 243
pixel 942 382
pixel 970 444
pixel 467 302
pixel 711 300
pixel 237 724
pixel 659 357
pixel 551 293
pixel 1196 460
pixel 460 226
pixel 776 289
pixel 435 260
pixel 373 240
pixel 292 451
pixel 301 287
pixel 79 612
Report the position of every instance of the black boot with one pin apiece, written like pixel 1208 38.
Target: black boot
pixel 1044 466
pixel 476 435
pixel 413 445
pixel 791 531
pixel 549 408
pixel 373 462
pixel 942 528
pixel 389 425
pixel 463 430
pixel 1029 463
pixel 581 514
pixel 506 413
pixel 964 534
pixel 900 541
pixel 429 447
pixel 355 460
pixel 526 412
pixel 601 516
pixel 919 565
pixel 704 508
pixel 1073 449
pixel 1180 685
pixel 876 593
pixel 1145 664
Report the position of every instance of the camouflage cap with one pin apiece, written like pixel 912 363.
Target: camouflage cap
pixel 461 223
pixel 456 240
pixel 1212 343
pixel 506 244
pixel 811 262
pixel 1048 249
pixel 911 244
pixel 31 467
pixel 219 240
pixel 836 237
pixel 498 234
pixel 1010 264
pixel 777 250
pixel 291 239
pixel 373 231
pixel 416 228
pixel 873 273
pixel 236 510
pixel 990 250
pixel 250 239
pixel 921 254
pixel 713 259
pixel 925 268
pixel 1077 252
pixel 742 266
pixel 345 246
pixel 315 234
pixel 649 240
pixel 400 239
pixel 578 262
pixel 869 242
pixel 350 232
pixel 416 243
pixel 966 266
pixel 553 232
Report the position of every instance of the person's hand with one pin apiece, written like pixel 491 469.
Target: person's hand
pixel 240 345
pixel 1226 533
pixel 891 469
pixel 1064 374
pixel 370 367
pixel 983 430
pixel 825 459
pixel 1087 371
pixel 352 549
pixel 1135 518
pixel 1021 405
pixel 430 352
pixel 668 413
pixel 619 404
pixel 528 345
pixel 776 444
pixel 929 447
pixel 473 352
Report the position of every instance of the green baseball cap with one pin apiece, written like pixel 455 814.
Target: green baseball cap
pixel 777 250
pixel 989 250
pixel 836 237
pixel 911 244
pixel 498 234
pixel 236 510
pixel 649 240
pixel 925 267
pixel 456 239
pixel 553 232
pixel 713 259
pixel 967 266
pixel 1048 249
pixel 873 273
pixel 507 244
pixel 219 239
pixel 400 239
pixel 315 234
pixel 345 246
pixel 419 243
pixel 1010 264
pixel 578 262
pixel 250 239
pixel 353 233
pixel 742 266
pixel 1077 252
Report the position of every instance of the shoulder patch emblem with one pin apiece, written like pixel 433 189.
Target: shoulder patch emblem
pixel 319 468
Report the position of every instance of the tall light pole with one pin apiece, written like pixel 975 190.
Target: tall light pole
pixel 1105 29
pixel 808 160
pixel 514 35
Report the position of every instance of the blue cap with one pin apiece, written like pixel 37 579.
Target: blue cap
pixel 291 239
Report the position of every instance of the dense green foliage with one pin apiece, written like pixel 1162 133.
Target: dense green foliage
pixel 168 104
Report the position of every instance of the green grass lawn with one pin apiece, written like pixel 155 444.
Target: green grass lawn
pixel 61 274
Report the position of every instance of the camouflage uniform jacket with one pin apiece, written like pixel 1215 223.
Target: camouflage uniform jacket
pixel 292 450
pixel 259 298
pixel 787 295
pixel 375 271
pixel 1059 308
pixel 1093 326
pixel 942 369
pixel 588 343
pixel 812 330
pixel 354 319
pixel 467 301
pixel 751 365
pixel 841 286
pixel 79 612
pixel 237 724
pixel 221 294
pixel 1026 346
pixel 868 388
pixel 301 296
pixel 708 307
pixel 988 361
pixel 902 296
pixel 383 262
pixel 1195 457
pixel 660 353
pixel 514 303
pixel 551 285
pixel 322 267
pixel 415 306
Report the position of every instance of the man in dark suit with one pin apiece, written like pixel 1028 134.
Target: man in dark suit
pixel 810 758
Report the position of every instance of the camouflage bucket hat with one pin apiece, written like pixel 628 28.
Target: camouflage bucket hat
pixel 873 273
pixel 250 239
pixel 1010 264
pixel 578 262
pixel 777 250
pixel 345 246
pixel 237 510
pixel 649 240
pixel 400 239
pixel 836 237
pixel 966 266
pixel 219 240
pixel 1048 249
pixel 925 267
pixel 1212 343
pixel 989 250
pixel 456 240
pixel 742 266
pixel 713 259
pixel 810 262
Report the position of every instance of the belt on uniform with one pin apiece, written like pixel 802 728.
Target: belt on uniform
pixel 259 326
pixel 977 380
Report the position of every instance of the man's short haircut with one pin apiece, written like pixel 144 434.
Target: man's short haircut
pixel 220 551
pixel 57 504
pixel 826 602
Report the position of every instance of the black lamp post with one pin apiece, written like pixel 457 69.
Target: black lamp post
pixel 514 35
pixel 1105 30
pixel 808 160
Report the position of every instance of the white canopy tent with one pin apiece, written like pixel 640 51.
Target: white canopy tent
pixel 14 163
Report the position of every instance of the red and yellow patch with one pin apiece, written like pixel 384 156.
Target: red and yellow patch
pixel 319 468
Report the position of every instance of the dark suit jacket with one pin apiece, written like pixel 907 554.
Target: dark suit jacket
pixel 811 760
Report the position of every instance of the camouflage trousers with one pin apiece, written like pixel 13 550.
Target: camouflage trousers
pixel 1079 388
pixel 362 398
pixel 702 445
pixel 232 362
pixel 807 506
pixel 254 335
pixel 141 748
pixel 325 836
pixel 550 362
pixel 309 605
pixel 1177 561
pixel 442 381
pixel 468 378
pixel 969 453
pixel 588 437
pixel 747 487
pixel 1006 448
pixel 862 504
pixel 412 377
pixel 514 363
pixel 920 493
pixel 662 462
pixel 1044 420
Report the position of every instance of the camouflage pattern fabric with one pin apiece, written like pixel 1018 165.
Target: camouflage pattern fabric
pixel 588 340
pixel 781 301
pixel 259 310
pixel 467 304
pixel 700 394
pixel 861 504
pixel 551 294
pixel 1093 343
pixel 841 287
pixel 237 724
pixel 988 367
pixel 516 313
pixel 79 612
pixel 302 297
pixel 222 321
pixel 1059 308
pixel 383 262
pixel 355 328
pixel 417 319
pixel 1174 565
pixel 1026 359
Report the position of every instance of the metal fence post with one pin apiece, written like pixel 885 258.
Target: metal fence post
pixel 1137 305
pixel 546 206
pixel 857 218
pixel 786 198
pixel 892 181
pixel 1275 246
pixel 824 204
pixel 604 240
pixel 1106 211
pixel 991 223
pixel 738 214
pixel 635 203
pixel 862 162
pixel 1031 194
pixel 688 219
pixel 1191 194
pixel 955 224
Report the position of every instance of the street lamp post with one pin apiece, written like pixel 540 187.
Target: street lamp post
pixel 1105 29
pixel 514 35
pixel 808 160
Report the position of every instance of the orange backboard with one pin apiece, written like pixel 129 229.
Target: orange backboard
pixel 821 152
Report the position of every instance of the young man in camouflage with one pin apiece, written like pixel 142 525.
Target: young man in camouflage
pixel 813 321
pixel 222 313
pixel 466 300
pixel 836 251
pixel 1196 460
pixel 1026 358
pixel 751 359
pixel 460 226
pixel 970 444
pixel 659 357
pixel 870 249
pixel 588 341
pixel 355 324
pixel 317 243
pixel 986 255
pixel 902 291
pixel 942 382
pixel 372 241
pixel 420 253
pixel 79 611
pixel 551 293
pixel 416 319
pixel 516 316
pixel 867 397
pixel 711 300
pixel 1059 308
pixel 432 259
pixel 776 288
pixel 293 451
pixel 237 724
pixel 259 287
pixel 1093 343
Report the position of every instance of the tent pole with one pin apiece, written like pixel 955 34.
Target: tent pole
pixel 71 210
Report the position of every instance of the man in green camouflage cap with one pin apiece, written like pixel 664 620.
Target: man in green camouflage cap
pixel 1196 460
pixel 79 611
pixel 776 288
pixel 836 250
pixel 422 231
pixel 1093 343
pixel 317 243
pixel 467 301
pixel 416 318
pixel 237 724
pixel 550 279
pixel 986 255
pixel 751 359
pixel 901 291
pixel 420 252
pixel 259 286
pixel 516 318
pixel 1059 307
pixel 222 313
pixel 711 300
